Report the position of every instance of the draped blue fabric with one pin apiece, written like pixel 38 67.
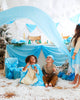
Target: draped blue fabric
pixel 31 27
pixel 42 20
pixel 10 22
pixel 59 58
pixel 57 24
pixel 76 60
pixel 39 77
pixel 14 41
pixel 75 19
pixel 12 71
pixel 10 65
pixel 23 51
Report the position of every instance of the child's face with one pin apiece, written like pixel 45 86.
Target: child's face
pixel 49 60
pixel 32 59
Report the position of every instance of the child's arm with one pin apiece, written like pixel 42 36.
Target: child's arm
pixel 73 57
pixel 77 47
pixel 43 71
pixel 24 69
pixel 35 68
pixel 55 70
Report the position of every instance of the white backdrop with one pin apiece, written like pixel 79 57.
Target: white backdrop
pixel 55 8
pixel 59 10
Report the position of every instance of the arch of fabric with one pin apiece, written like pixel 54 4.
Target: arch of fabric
pixel 42 20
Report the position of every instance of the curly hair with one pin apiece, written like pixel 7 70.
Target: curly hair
pixel 28 58
pixel 77 34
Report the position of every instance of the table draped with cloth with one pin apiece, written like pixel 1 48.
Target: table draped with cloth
pixel 21 52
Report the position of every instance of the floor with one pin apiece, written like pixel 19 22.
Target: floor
pixel 12 90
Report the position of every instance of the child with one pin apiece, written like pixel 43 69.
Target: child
pixel 75 53
pixel 30 60
pixel 49 70
pixel 32 74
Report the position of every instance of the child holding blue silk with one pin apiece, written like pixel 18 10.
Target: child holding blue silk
pixel 75 53
pixel 36 74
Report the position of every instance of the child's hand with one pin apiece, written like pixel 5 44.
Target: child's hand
pixel 35 68
pixel 73 57
pixel 28 64
pixel 24 69
pixel 46 75
pixel 54 69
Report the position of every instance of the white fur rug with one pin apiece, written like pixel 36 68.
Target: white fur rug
pixel 12 90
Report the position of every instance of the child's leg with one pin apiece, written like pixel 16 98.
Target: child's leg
pixel 77 83
pixel 75 80
pixel 78 79
pixel 45 81
pixel 54 80
pixel 76 74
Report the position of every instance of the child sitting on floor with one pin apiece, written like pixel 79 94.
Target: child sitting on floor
pixel 31 73
pixel 50 73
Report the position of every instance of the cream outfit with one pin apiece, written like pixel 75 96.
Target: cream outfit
pixel 76 49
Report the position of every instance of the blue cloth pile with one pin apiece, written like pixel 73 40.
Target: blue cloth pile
pixel 17 72
pixel 11 69
pixel 66 77
pixel 20 41
pixel 68 40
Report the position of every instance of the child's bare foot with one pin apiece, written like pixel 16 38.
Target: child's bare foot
pixel 50 84
pixel 46 85
pixel 73 82
pixel 76 86
pixel 77 83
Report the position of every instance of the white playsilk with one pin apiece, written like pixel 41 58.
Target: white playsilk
pixel 30 77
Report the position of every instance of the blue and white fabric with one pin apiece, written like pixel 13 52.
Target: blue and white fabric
pixel 39 76
pixel 31 27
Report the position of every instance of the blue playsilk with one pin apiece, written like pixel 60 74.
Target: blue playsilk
pixel 10 66
pixel 39 77
pixel 42 20
pixel 22 52
pixel 10 22
pixel 66 77
pixel 31 27
pixel 59 57
pixel 20 41
pixel 77 57
pixel 57 24
pixel 75 19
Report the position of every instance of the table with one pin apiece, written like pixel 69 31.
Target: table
pixel 40 51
